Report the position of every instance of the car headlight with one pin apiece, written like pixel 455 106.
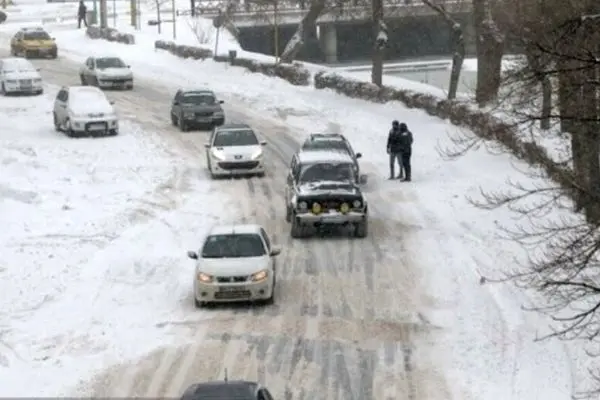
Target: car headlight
pixel 260 276
pixel 188 114
pixel 218 155
pixel 303 205
pixel 356 203
pixel 204 278
pixel 257 155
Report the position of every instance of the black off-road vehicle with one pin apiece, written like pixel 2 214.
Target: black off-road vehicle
pixel 322 190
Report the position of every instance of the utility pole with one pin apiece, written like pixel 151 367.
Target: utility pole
pixel 276 22
pixel 103 14
pixel 133 12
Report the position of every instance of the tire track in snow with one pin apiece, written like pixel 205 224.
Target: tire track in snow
pixel 326 354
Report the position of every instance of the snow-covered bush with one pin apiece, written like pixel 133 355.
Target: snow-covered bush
pixel 203 30
pixel 110 34
pixel 183 51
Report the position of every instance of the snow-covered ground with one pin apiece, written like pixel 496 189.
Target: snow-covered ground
pixel 117 278
pixel 94 234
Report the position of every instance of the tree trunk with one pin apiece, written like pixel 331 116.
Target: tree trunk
pixel 457 60
pixel 377 66
pixel 490 49
pixel 546 102
pixel 308 23
pixel 590 140
pixel 567 95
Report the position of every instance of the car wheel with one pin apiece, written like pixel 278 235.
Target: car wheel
pixel 297 231
pixel 41 91
pixel 199 304
pixel 68 129
pixel 288 214
pixel 260 175
pixel 361 229
pixel 56 124
pixel 182 125
pixel 271 300
pixel 82 79
pixel 173 120
pixel 3 89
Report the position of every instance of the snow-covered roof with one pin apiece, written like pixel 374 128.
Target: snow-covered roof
pixel 18 62
pixel 235 228
pixel 315 156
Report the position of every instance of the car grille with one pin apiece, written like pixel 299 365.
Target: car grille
pixel 241 294
pixel 204 114
pixel 96 126
pixel 238 165
pixel 25 81
pixel 229 279
pixel 327 205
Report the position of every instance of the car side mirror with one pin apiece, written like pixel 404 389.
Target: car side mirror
pixel 38 69
pixel 129 66
pixel 111 102
pixel 175 103
pixel 207 145
pixel 275 251
pixel 193 255
pixel 263 142
pixel 358 155
pixel 221 102
pixel 362 179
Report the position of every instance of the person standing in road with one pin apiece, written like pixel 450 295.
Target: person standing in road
pixel 394 147
pixel 406 142
pixel 81 14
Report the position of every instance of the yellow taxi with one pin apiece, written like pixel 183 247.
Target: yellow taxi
pixel 33 42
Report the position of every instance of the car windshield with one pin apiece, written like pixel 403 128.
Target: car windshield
pixel 237 137
pixel 198 98
pixel 325 145
pixel 327 172
pixel 36 35
pixel 109 62
pixel 233 246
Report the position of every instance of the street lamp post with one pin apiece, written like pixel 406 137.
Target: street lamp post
pixel 276 29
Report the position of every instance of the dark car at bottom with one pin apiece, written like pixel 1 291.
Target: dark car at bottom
pixel 227 390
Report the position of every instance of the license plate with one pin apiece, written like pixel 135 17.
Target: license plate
pixel 230 288
pixel 238 157
pixel 97 127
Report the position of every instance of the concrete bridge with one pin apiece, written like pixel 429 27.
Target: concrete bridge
pixel 244 16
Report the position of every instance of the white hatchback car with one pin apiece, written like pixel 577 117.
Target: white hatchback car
pixel 84 111
pixel 106 73
pixel 235 263
pixel 18 75
pixel 234 149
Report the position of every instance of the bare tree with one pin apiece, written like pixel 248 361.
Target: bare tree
pixel 306 25
pixel 490 49
pixel 563 247
pixel 458 45
pixel 380 35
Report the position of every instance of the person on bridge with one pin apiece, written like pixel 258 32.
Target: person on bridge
pixel 81 14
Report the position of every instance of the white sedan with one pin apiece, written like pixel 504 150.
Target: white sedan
pixel 235 263
pixel 106 73
pixel 84 111
pixel 18 75
pixel 234 149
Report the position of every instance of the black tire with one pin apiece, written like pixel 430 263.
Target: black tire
pixel 260 175
pixel 3 90
pixel 361 229
pixel 199 304
pixel 68 130
pixel 82 79
pixel 288 214
pixel 297 231
pixel 182 125
pixel 54 55
pixel 56 124
pixel 173 120
pixel 39 92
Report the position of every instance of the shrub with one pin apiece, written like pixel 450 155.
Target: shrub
pixel 110 34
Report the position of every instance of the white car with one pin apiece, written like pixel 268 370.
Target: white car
pixel 234 149
pixel 18 75
pixel 84 111
pixel 106 73
pixel 235 263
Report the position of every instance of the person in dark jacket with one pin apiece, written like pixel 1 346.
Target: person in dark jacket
pixel 394 146
pixel 81 14
pixel 405 146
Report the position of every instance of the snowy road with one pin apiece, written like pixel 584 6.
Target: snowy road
pixel 347 323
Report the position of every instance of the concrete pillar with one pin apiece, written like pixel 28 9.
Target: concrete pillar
pixel 328 39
